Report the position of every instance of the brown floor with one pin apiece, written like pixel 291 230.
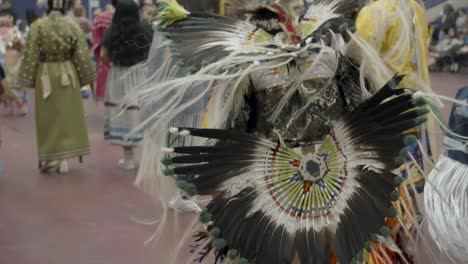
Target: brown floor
pixel 86 217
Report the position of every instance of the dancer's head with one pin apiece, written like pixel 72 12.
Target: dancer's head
pixel 56 5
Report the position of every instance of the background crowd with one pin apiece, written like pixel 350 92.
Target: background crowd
pixel 449 43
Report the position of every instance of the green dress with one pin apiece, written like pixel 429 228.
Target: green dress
pixel 57 63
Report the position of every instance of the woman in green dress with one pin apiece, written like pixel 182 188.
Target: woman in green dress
pixel 57 63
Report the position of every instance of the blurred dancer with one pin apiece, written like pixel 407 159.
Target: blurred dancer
pixel 101 24
pixel 82 21
pixel 147 13
pixel 403 45
pixel 57 72
pixel 16 98
pixel 126 44
pixel 397 30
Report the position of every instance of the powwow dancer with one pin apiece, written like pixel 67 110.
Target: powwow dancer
pixel 303 140
pixel 10 57
pixel 125 44
pixel 57 63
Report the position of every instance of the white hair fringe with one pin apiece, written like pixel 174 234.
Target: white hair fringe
pixel 448 222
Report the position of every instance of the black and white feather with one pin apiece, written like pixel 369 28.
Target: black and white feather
pixel 273 204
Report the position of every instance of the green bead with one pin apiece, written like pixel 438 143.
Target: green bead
pixel 243 261
pixel 343 27
pixel 385 231
pixel 352 29
pixel 398 180
pixel 399 160
pixel 374 238
pixel 204 63
pixel 181 184
pixel 403 153
pixel 420 101
pixel 394 196
pixel 219 243
pixel 368 246
pixel 193 69
pixel 392 212
pixel 167 161
pixel 410 140
pixel 423 111
pixel 191 189
pixel 232 253
pixel 205 217
pixel 215 232
pixel 169 172
pixel 420 120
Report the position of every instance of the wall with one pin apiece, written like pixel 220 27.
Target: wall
pixel 20 6
pixel 434 6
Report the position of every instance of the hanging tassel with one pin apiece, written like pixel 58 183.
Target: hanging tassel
pixel 65 78
pixel 46 86
pixel 71 74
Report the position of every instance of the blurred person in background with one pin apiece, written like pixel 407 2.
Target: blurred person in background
pixel 462 23
pixel 125 44
pixel 31 16
pixel 69 9
pixel 79 17
pixel 445 52
pixel 101 24
pixel 448 20
pixel 109 7
pixel 57 63
pixel 96 13
pixel 147 13
pixel 15 98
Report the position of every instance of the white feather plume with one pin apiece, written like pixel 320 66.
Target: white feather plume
pixel 42 3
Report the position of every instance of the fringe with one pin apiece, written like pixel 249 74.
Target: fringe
pixel 448 222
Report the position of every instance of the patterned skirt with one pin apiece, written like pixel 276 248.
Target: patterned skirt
pixel 119 121
pixel 11 62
